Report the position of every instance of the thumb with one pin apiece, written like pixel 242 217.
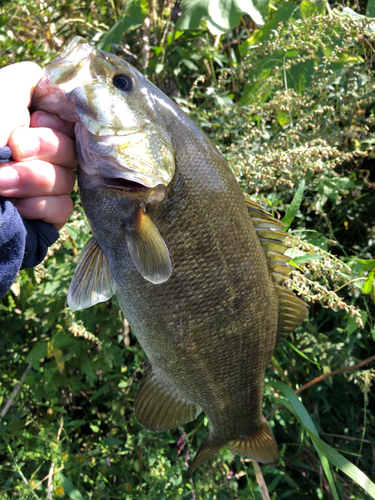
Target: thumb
pixel 17 83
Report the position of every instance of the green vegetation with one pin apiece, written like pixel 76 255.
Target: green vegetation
pixel 292 107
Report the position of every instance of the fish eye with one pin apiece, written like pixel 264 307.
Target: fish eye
pixel 123 82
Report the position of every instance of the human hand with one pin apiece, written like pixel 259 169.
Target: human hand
pixel 41 176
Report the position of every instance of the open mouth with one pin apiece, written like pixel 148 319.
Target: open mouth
pixel 124 184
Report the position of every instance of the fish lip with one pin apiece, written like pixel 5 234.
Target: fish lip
pixel 134 190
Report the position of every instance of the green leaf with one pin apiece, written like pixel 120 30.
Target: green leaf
pixel 132 18
pixel 370 9
pixel 189 64
pixel 224 15
pixel 344 465
pixel 308 9
pixel 300 75
pixel 193 11
pixel 297 408
pixel 368 265
pixel 283 118
pixel 88 371
pixel 282 14
pixel 59 409
pixel 38 352
pixel 352 324
pixel 257 9
pixel 62 339
pixel 69 488
pixel 221 15
pixel 303 355
pixel 75 423
pixel 303 259
pixel 262 71
pixel 112 441
pixel 367 287
pixel 100 391
pixel 294 206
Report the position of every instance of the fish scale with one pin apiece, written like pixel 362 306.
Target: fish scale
pixel 198 269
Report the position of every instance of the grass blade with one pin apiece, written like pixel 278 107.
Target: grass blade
pixel 325 451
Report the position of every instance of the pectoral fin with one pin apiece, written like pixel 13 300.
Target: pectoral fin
pixel 147 249
pixel 159 406
pixel 92 281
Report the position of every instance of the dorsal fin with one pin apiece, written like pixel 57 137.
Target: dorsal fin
pixel 272 240
pixel 292 310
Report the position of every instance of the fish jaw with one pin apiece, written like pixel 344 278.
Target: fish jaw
pixel 120 134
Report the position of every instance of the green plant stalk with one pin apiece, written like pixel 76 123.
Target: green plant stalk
pixel 16 466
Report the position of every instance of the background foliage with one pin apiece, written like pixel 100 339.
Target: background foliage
pixel 286 91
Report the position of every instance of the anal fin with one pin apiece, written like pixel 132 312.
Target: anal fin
pixel 206 451
pixel 159 406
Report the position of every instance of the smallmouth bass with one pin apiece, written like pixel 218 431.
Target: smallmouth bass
pixel 198 269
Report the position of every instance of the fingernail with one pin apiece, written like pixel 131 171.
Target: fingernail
pixel 29 146
pixel 47 121
pixel 8 178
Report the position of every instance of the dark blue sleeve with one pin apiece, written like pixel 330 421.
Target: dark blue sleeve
pixel 23 243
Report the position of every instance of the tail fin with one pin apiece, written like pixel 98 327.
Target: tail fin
pixel 260 446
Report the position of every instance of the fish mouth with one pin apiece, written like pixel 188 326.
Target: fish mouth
pixel 124 184
pixel 136 190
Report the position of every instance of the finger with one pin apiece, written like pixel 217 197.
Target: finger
pixel 11 118
pixel 53 209
pixel 44 144
pixel 17 83
pixel 42 119
pixel 35 178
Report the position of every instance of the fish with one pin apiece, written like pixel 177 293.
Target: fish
pixel 198 268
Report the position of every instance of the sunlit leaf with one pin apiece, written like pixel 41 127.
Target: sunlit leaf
pixel 294 206
pixel 304 259
pixel 133 17
pixel 367 287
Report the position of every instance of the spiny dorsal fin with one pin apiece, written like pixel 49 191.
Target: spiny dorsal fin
pixel 292 310
pixel 271 238
pixel 159 407
pixel 92 281
pixel 256 211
